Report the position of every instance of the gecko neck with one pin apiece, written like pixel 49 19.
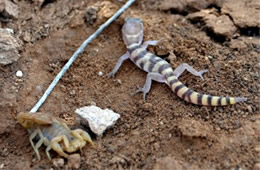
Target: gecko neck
pixel 133 47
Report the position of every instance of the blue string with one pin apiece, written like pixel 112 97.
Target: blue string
pixel 76 54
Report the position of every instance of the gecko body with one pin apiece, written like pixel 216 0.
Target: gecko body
pixel 160 70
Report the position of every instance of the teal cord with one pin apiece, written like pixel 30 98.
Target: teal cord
pixel 76 54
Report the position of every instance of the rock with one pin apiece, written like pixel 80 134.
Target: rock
pixel 21 165
pixel 77 20
pixel 2 6
pixel 256 166
pixel 107 9
pixel 74 161
pixel 8 9
pixel 97 119
pixel 147 106
pixel 244 13
pixel 91 15
pixel 27 37
pixel 220 25
pixel 8 48
pixel 39 2
pixel 169 163
pixel 249 108
pixel 238 43
pixel 199 16
pixel 193 128
pixel 187 6
pixel 58 162
pixel 257 148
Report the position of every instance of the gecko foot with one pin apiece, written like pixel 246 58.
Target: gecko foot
pixel 140 90
pixel 111 75
pixel 202 72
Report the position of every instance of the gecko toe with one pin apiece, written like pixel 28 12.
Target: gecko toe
pixel 202 72
pixel 144 96
pixel 111 75
pixel 139 90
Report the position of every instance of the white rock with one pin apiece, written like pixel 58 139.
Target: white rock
pixel 100 73
pixel 97 119
pixel 9 30
pixel 19 73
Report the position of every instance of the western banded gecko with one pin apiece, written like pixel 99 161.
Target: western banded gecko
pixel 160 70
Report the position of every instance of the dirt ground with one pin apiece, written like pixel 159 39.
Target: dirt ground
pixel 164 132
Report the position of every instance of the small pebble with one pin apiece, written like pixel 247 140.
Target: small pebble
pixel 2 166
pixel 147 106
pixel 218 129
pixel 249 108
pixel 100 73
pixel 58 162
pixel 39 87
pixel 93 103
pixel 74 161
pixel 9 30
pixel 19 73
pixel 27 37
pixel 256 166
pixel 257 148
pixel 119 81
pixel 91 15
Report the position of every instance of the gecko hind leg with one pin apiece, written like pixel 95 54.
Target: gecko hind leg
pixel 147 86
pixel 184 66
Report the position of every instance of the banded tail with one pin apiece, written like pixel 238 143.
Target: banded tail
pixel 197 98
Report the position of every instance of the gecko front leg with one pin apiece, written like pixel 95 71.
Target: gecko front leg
pixel 118 64
pixel 147 86
pixel 150 42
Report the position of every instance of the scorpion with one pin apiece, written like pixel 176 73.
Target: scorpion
pixel 53 133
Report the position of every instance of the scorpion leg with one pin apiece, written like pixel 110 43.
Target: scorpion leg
pixel 39 143
pixel 64 125
pixel 56 146
pixel 48 148
pixel 81 134
pixel 47 151
pixel 32 136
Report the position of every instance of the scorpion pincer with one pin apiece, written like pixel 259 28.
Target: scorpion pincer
pixel 53 133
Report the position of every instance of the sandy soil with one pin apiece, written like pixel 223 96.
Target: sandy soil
pixel 161 133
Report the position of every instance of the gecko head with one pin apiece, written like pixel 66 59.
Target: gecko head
pixel 132 32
